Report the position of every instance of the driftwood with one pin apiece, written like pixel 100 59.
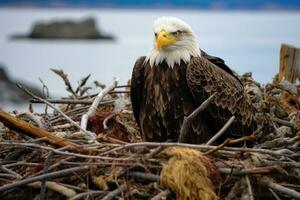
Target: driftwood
pixel 289 63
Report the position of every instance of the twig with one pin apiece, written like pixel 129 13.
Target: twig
pixel 45 93
pixel 235 190
pixel 256 170
pixel 250 191
pixel 11 176
pixel 51 175
pixel 93 108
pixel 71 101
pixel 55 187
pixel 188 120
pixel 64 76
pixel 3 168
pixel 115 192
pixel 65 152
pixel 274 194
pixel 104 123
pixel 82 83
pixel 283 122
pixel 221 146
pixel 162 195
pixel 144 176
pixel 43 182
pixel 289 185
pixel 86 194
pixel 123 86
pixel 88 133
pixel 32 117
pixel 230 142
pixel 268 182
pixel 153 153
pixel 196 146
pixel 221 131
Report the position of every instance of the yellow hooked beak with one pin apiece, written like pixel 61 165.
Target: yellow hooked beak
pixel 164 39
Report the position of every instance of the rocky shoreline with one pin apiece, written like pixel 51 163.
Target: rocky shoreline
pixel 10 93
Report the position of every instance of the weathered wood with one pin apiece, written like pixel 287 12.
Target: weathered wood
pixel 289 63
pixel 29 129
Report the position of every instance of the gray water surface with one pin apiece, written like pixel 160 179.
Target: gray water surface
pixel 247 41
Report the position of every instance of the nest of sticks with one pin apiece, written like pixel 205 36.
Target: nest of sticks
pixel 89 147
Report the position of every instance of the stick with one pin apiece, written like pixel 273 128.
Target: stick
pixel 274 194
pixel 70 101
pixel 67 153
pixel 28 129
pixel 162 195
pixel 195 146
pixel 58 110
pixel 230 142
pixel 280 188
pixel 144 176
pixel 94 106
pixel 115 192
pixel 32 117
pixel 188 120
pixel 283 122
pixel 51 175
pixel 250 191
pixel 106 120
pixel 86 194
pixel 55 187
pixel 256 170
pixel 64 76
pixel 223 129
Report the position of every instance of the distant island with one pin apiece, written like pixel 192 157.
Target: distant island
pixel 66 29
pixel 203 4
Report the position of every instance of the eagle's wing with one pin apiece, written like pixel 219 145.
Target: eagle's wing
pixel 219 62
pixel 204 78
pixel 137 86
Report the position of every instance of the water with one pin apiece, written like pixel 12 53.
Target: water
pixel 248 41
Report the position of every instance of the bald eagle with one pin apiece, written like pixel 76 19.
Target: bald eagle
pixel 174 78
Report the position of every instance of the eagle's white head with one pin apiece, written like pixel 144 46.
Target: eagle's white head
pixel 174 42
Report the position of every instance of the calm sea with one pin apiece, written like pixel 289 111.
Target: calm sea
pixel 247 41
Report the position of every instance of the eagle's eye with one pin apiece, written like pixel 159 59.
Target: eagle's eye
pixel 176 34
pixel 155 34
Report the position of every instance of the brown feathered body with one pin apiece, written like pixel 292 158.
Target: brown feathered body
pixel 162 96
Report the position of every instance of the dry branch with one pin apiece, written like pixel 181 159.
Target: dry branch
pixel 55 187
pixel 93 108
pixel 56 109
pixel 280 188
pixel 188 120
pixel 221 131
pixel 65 78
pixel 28 129
pixel 48 176
pixel 71 101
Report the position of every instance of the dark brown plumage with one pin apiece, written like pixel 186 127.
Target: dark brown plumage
pixel 161 96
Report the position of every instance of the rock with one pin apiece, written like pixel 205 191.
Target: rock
pixel 10 93
pixel 67 29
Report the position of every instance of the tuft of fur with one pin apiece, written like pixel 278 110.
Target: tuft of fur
pixel 183 50
pixel 188 173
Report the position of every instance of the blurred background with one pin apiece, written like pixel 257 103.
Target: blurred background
pixel 105 37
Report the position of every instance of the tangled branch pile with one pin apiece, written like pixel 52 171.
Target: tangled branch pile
pixel 51 156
